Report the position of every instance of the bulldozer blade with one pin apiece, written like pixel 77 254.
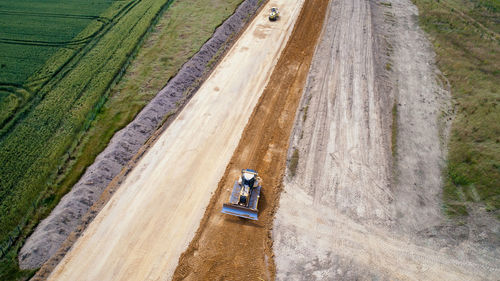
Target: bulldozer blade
pixel 240 211
pixel 232 208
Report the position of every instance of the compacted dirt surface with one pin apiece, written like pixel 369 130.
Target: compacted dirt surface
pixel 363 202
pixel 150 220
pixel 230 248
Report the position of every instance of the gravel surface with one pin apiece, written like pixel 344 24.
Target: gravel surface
pixel 355 211
pixel 51 232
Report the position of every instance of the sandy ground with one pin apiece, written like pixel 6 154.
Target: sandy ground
pixel 353 211
pixel 230 248
pixel 73 210
pixel 150 220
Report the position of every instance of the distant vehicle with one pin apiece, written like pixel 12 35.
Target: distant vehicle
pixel 245 196
pixel 274 15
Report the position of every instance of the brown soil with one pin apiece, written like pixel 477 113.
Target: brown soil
pixel 230 248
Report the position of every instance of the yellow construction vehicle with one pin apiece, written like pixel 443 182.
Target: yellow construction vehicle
pixel 245 196
pixel 274 15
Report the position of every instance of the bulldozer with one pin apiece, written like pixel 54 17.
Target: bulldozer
pixel 244 196
pixel 274 15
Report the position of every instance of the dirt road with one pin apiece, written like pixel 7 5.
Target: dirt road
pixel 149 221
pixel 230 248
pixel 353 211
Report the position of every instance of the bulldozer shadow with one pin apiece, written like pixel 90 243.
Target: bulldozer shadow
pixel 243 221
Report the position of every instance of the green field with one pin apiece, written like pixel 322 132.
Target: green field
pixel 64 95
pixel 466 39
pixel 30 32
pixel 33 31
pixel 75 98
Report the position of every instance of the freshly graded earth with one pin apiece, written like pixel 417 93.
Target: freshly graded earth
pixel 150 220
pixel 364 203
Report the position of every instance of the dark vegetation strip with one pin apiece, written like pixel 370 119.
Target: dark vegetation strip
pixel 465 38
pixel 49 15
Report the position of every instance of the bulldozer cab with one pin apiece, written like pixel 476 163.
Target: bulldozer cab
pixel 248 177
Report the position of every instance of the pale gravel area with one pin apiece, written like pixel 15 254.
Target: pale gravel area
pixel 53 231
pixel 353 211
pixel 422 107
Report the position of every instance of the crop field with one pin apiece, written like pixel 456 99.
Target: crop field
pixel 58 60
pixel 32 32
pixel 466 38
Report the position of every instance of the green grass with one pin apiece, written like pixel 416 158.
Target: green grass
pixel 33 146
pixel 394 130
pixel 46 152
pixel 306 109
pixel 465 38
pixel 33 31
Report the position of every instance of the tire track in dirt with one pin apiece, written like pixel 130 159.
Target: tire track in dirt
pixel 342 217
pixel 230 248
